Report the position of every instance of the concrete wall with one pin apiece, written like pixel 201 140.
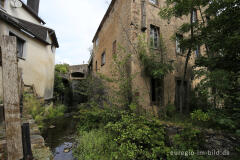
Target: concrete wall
pixel 37 65
pixel 20 13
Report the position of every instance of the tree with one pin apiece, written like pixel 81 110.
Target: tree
pixel 62 85
pixel 217 29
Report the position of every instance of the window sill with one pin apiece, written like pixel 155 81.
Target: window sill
pixel 154 5
pixel 158 49
pixel 24 59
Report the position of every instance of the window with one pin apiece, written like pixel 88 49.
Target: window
pixel 114 47
pixel 53 48
pixel 20 45
pixel 97 42
pixel 154 2
pixel 96 66
pixel 157 91
pixel 178 39
pixel 197 51
pixel 194 16
pixel 154 36
pixel 103 59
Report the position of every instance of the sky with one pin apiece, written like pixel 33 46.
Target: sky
pixel 75 23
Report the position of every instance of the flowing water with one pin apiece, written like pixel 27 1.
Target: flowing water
pixel 61 139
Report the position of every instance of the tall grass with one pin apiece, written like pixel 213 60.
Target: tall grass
pixel 44 115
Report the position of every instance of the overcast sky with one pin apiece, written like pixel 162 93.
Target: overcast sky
pixel 75 23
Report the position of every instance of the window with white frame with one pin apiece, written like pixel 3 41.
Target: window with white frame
pixel 154 1
pixel 154 36
pixel 20 45
pixel 103 58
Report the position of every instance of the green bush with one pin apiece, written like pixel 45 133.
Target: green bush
pixel 122 135
pixel 189 140
pixel 53 112
pixel 171 110
pixel 44 115
pixel 225 120
pixel 32 105
pixel 93 118
pixel 138 138
pixel 199 115
pixel 95 145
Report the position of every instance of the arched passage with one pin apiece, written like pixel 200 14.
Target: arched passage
pixel 77 75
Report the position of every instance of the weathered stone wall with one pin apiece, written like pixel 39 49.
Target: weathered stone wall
pixel 112 30
pixel 124 24
pixel 167 30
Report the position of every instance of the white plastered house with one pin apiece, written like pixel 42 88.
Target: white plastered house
pixel 36 44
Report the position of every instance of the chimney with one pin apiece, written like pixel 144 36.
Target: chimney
pixel 34 5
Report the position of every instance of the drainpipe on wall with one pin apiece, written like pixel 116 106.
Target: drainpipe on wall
pixel 143 16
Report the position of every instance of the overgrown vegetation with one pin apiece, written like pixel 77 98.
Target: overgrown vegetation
pixel 113 134
pixel 62 85
pixel 44 115
pixel 122 133
pixel 216 30
pixel 154 62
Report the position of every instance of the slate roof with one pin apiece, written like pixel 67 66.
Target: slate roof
pixel 40 32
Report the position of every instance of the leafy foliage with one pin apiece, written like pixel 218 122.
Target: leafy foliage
pixel 138 138
pixel 199 115
pixel 95 145
pixel 94 89
pixel 189 140
pixel 112 134
pixel 62 68
pixel 153 63
pixel 121 78
pixel 217 31
pixel 123 135
pixel 61 86
pixel 44 115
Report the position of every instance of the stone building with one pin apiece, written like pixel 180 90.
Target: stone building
pixel 122 24
pixel 78 73
pixel 36 44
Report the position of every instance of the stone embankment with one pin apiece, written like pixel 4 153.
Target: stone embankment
pixel 40 151
pixel 220 145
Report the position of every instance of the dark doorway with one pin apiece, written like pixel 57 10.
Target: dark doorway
pixel 1 113
pixel 178 93
pixel 157 91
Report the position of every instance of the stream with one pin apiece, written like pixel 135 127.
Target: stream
pixel 60 139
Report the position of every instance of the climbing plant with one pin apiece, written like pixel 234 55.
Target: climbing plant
pixel 153 62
